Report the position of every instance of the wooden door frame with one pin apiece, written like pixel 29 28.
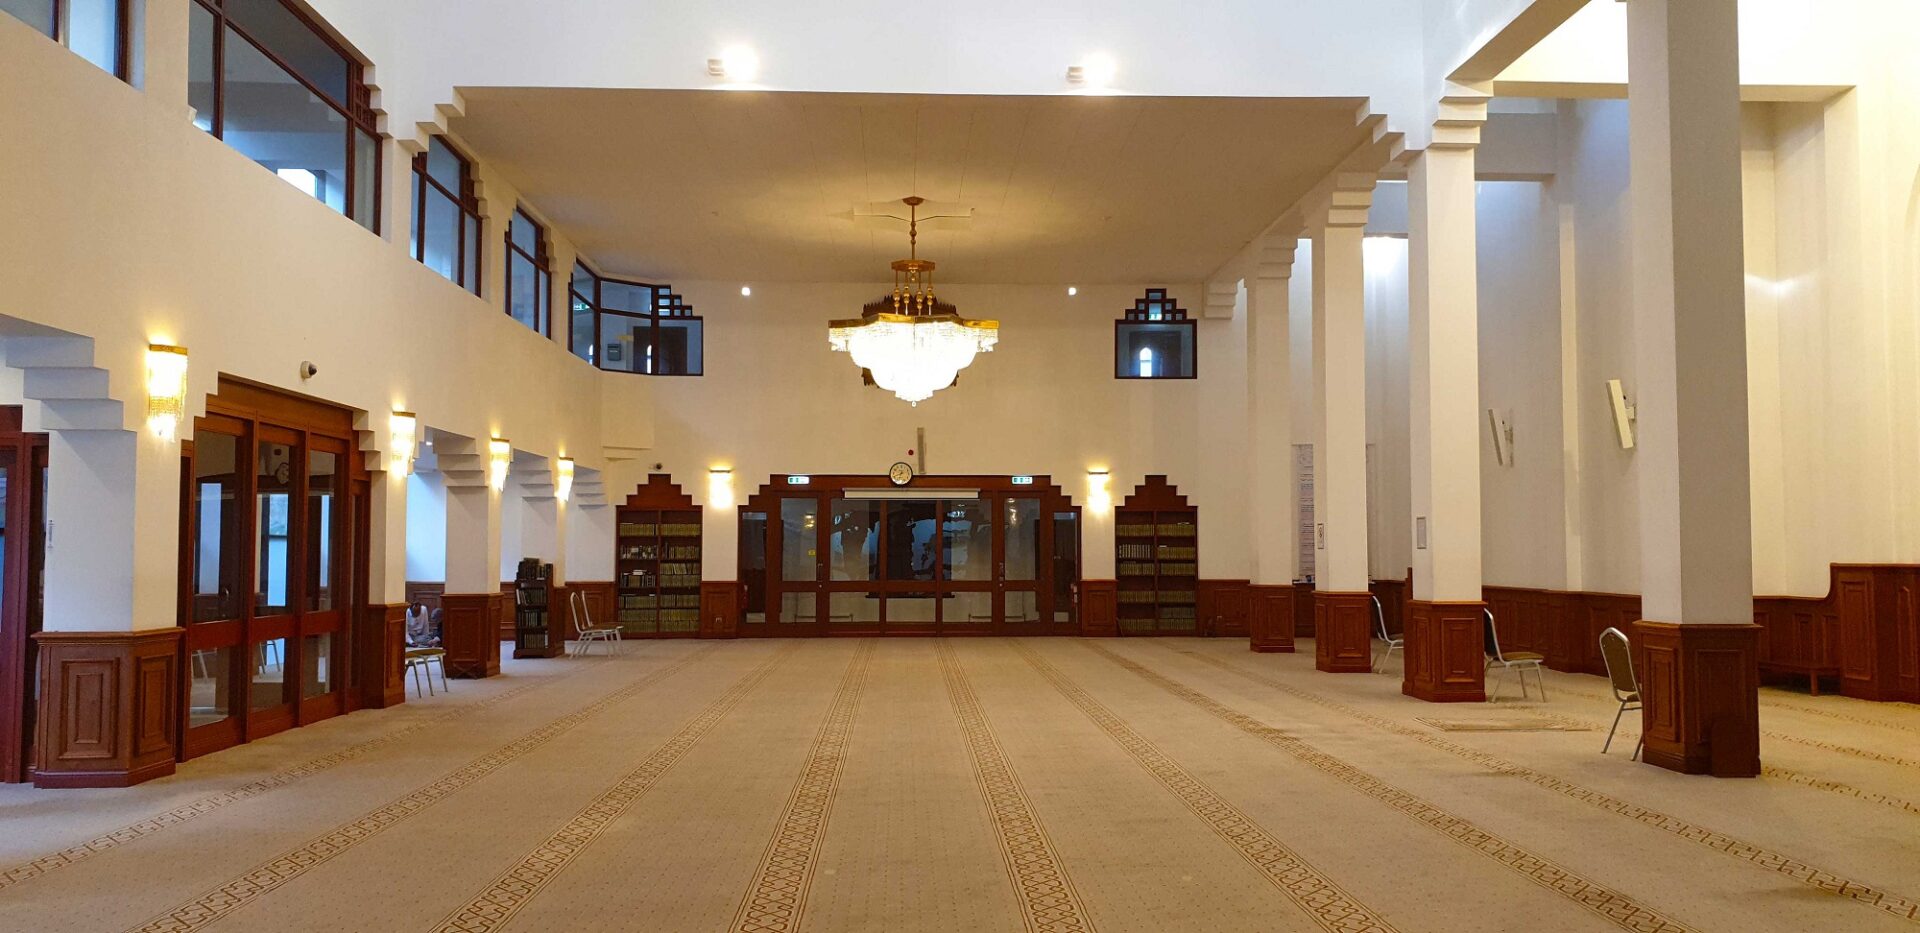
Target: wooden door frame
pixel 24 558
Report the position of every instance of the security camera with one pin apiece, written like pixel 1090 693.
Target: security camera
pixel 308 370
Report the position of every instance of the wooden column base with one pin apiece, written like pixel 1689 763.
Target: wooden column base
pixel 1100 608
pixel 380 647
pixel 1270 619
pixel 471 633
pixel 719 609
pixel 109 707
pixel 1700 690
pixel 1342 632
pixel 1445 657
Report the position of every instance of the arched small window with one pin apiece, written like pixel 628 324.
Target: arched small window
pixel 1154 340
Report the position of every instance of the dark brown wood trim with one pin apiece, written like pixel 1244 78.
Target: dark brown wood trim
pixel 471 634
pixel 381 654
pixel 598 595
pixel 1099 601
pixel 1270 618
pixel 719 609
pixel 1445 652
pixel 109 714
pixel 1223 606
pixel 1342 632
pixel 1700 686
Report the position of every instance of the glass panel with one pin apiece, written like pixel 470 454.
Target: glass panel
pixel 1023 540
pixel 857 610
pixel 966 533
pixel 853 540
pixel 1066 563
pixel 444 165
pixel 911 610
pixel 753 564
pixel 1154 351
pixel 275 27
pixel 209 692
pixel 625 343
pixel 626 296
pixel 316 666
pixel 524 233
pixel 582 281
pixel 200 35
pixel 973 608
pixel 523 289
pixel 798 607
pixel 366 175
pixel 910 542
pixel 93 30
pixel 3 528
pixel 799 521
pixel 440 235
pixel 217 513
pixel 471 278
pixel 581 321
pixel 36 13
pixel 1023 607
pixel 273 533
pixel 275 121
pixel 322 494
pixel 269 674
pixel 677 347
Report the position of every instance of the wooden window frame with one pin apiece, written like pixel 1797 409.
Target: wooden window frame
pixel 122 29
pixel 674 304
pixel 357 109
pixel 465 200
pixel 1138 314
pixel 543 272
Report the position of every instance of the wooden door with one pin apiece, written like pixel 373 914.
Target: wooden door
pixel 215 566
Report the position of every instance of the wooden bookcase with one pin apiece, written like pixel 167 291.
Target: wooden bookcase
pixel 537 630
pixel 1156 560
pixel 657 562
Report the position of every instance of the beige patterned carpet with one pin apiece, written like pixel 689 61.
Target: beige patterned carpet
pixel 982 784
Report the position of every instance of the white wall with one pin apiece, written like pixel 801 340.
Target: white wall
pixel 426 528
pixel 1389 441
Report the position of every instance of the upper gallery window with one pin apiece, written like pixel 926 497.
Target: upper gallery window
pixel 1155 340
pixel 529 272
pixel 446 215
pixel 270 82
pixel 94 29
pixel 633 327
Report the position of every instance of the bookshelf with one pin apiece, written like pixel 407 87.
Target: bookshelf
pixel 1156 561
pixel 657 551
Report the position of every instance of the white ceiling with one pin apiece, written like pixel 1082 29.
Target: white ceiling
pixel 762 186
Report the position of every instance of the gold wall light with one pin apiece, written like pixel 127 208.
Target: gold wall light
pixel 166 388
pixel 563 479
pixel 403 437
pixel 499 455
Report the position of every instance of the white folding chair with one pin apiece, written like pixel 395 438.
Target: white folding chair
pixel 590 634
pixel 1615 651
pixel 1394 643
pixel 1519 662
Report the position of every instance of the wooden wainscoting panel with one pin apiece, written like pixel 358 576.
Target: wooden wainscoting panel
pixel 1099 607
pixel 1342 632
pixel 427 594
pixel 719 609
pixel 1270 625
pixel 471 634
pixel 1445 656
pixel 504 610
pixel 1302 610
pixel 109 707
pixel 1701 688
pixel 598 598
pixel 1393 596
pixel 1222 607
pixel 380 647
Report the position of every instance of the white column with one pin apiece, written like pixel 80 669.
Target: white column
pixel 540 511
pixel 1689 311
pixel 1340 384
pixel 1443 351
pixel 387 536
pixel 473 517
pixel 1276 554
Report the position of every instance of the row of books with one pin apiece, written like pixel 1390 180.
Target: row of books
pixel 1172 569
pixel 1147 531
pixel 668 619
pixel 668 530
pixel 1162 597
pixel 651 601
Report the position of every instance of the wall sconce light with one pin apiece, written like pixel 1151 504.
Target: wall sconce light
pixel 166 388
pixel 563 479
pixel 720 487
pixel 1099 497
pixel 1095 73
pixel 736 63
pixel 499 455
pixel 403 436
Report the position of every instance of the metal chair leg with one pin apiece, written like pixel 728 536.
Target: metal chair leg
pixel 1637 747
pixel 1499 676
pixel 444 686
pixel 1622 711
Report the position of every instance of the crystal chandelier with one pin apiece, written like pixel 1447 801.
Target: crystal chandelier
pixel 910 343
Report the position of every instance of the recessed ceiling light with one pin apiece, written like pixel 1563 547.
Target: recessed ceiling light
pixel 736 63
pixel 746 290
pixel 1071 291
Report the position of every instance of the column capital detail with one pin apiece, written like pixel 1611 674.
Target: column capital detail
pixel 1462 112
pixel 1342 200
pixel 1273 258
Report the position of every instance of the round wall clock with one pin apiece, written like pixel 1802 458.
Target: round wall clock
pixel 900 473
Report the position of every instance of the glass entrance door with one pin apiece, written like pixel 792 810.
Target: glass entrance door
pixel 1024 606
pixel 277 532
pixel 23 474
pixel 215 562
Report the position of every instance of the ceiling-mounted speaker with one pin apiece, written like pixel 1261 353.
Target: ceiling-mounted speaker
pixel 1623 413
